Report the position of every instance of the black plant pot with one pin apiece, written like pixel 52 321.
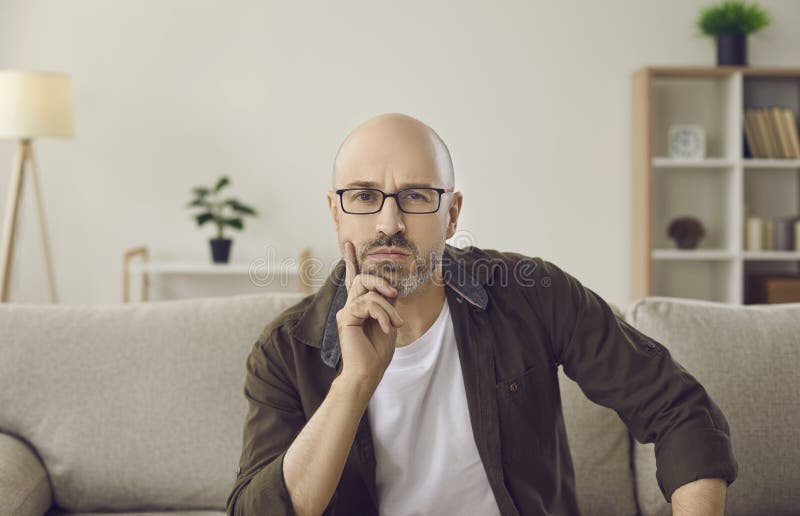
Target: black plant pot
pixel 687 242
pixel 732 50
pixel 220 249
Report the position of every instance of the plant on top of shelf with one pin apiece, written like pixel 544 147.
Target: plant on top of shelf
pixel 730 22
pixel 228 212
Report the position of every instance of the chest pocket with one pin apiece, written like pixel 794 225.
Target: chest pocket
pixel 526 415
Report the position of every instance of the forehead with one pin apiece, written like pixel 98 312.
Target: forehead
pixel 383 184
pixel 402 171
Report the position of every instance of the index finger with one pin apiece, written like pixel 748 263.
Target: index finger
pixel 351 264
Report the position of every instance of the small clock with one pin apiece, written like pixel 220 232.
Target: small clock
pixel 687 141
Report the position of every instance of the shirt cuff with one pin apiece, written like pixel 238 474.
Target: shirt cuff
pixel 266 493
pixel 691 453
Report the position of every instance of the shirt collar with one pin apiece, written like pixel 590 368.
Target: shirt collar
pixel 317 326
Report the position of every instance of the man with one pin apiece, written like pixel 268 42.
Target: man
pixel 422 379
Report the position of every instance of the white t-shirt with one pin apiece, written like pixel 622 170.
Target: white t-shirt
pixel 426 458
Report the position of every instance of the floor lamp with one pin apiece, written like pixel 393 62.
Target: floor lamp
pixel 32 105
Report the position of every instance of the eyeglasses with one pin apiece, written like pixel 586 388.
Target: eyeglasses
pixel 363 201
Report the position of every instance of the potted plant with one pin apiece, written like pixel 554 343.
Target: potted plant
pixel 730 22
pixel 222 212
pixel 686 232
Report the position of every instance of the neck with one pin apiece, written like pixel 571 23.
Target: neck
pixel 420 309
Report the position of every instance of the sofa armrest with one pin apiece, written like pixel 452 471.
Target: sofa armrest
pixel 24 485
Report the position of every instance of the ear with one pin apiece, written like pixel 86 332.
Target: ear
pixel 452 212
pixel 333 207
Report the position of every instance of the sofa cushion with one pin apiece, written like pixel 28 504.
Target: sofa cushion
pixel 748 360
pixel 133 406
pixel 24 487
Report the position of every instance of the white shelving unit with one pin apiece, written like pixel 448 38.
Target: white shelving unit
pixel 180 279
pixel 721 190
pixel 213 269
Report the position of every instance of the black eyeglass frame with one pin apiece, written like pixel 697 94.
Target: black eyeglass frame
pixel 440 191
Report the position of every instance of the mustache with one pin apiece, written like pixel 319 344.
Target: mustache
pixel 396 241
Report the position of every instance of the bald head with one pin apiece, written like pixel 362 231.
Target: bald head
pixel 393 142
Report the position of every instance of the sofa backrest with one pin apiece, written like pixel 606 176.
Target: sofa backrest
pixel 132 406
pixel 141 405
pixel 748 360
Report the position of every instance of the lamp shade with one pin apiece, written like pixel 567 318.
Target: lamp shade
pixel 35 105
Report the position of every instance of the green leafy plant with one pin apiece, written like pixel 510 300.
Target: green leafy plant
pixel 732 17
pixel 222 212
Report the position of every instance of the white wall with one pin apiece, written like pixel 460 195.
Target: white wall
pixel 532 97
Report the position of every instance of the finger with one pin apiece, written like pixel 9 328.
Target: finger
pixel 366 282
pixel 374 297
pixel 357 288
pixel 358 312
pixel 351 264
pixel 383 319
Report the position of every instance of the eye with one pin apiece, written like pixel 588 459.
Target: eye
pixel 418 196
pixel 362 195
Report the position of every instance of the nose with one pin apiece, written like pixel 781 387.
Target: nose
pixel 390 218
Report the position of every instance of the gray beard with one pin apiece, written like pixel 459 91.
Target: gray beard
pixel 423 271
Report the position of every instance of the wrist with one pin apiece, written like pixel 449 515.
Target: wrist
pixel 358 387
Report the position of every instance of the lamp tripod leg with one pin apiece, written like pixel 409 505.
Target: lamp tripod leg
pixel 51 281
pixel 10 220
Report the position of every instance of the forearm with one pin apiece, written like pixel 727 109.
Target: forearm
pixel 315 460
pixel 703 497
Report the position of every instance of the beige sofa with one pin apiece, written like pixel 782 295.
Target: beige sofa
pixel 139 408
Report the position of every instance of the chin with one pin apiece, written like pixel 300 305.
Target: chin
pixel 392 272
pixel 389 271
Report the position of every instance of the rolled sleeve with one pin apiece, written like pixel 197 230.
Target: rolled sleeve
pixel 274 418
pixel 263 493
pixel 688 454
pixel 619 367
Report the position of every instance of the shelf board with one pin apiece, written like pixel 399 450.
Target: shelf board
pixel 692 254
pixel 722 71
pixel 771 163
pixel 664 162
pixel 211 268
pixel 771 255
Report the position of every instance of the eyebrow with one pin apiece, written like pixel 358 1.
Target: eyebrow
pixel 373 184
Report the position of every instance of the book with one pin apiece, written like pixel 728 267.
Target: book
pixel 754 234
pixel 784 150
pixel 772 134
pixel 750 134
pixel 768 234
pixel 761 136
pixel 791 126
pixel 762 133
pixel 773 288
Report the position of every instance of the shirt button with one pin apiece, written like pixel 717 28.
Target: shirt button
pixel 513 387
